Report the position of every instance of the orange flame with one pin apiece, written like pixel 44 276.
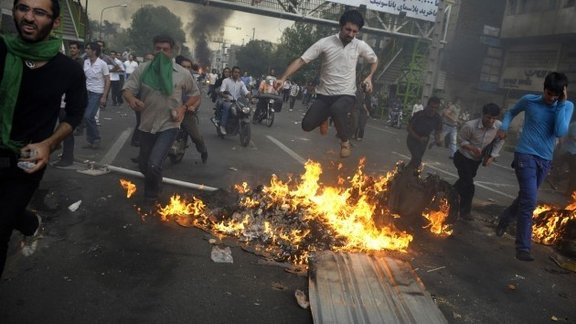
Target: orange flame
pixel 288 220
pixel 438 218
pixel 549 222
pixel 129 186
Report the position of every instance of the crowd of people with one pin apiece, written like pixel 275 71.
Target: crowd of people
pixel 38 83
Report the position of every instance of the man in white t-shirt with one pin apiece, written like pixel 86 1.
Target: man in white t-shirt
pixel 130 65
pixel 98 85
pixel 116 78
pixel 337 88
pixel 235 88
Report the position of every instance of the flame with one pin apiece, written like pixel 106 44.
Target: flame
pixel 288 220
pixel 129 186
pixel 549 222
pixel 438 218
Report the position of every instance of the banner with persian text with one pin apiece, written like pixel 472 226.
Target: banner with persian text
pixel 417 9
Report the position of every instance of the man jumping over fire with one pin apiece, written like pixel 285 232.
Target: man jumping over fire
pixel 337 88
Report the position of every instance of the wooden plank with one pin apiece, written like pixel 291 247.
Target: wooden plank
pixel 361 288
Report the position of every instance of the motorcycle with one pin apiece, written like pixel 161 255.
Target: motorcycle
pixel 178 148
pixel 273 104
pixel 238 120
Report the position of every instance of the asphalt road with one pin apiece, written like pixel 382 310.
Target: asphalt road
pixel 105 263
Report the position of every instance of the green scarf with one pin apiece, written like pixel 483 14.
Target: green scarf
pixel 19 50
pixel 158 75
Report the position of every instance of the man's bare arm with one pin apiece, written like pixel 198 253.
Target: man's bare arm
pixel 291 69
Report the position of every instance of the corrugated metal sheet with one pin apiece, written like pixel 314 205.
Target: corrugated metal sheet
pixel 360 288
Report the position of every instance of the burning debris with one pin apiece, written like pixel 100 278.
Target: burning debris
pixel 129 186
pixel 555 226
pixel 288 220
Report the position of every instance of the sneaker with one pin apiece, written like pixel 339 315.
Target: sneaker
pixel 204 156
pixel 324 127
pixel 524 256
pixel 29 244
pixel 222 130
pixel 94 146
pixel 500 230
pixel 63 163
pixel 345 149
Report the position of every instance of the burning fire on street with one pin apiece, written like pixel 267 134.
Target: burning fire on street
pixel 550 224
pixel 288 220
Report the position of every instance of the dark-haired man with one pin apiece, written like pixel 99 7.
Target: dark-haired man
pixel 160 85
pixel 420 126
pixel 476 146
pixel 190 121
pixel 98 85
pixel 235 88
pixel 546 118
pixel 33 78
pixel 335 94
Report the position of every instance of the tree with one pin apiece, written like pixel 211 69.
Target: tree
pixel 294 42
pixel 256 57
pixel 149 21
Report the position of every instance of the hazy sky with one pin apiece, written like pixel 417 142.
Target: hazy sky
pixel 266 28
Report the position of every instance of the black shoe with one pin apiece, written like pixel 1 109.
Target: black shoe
pixel 524 256
pixel 63 163
pixel 204 156
pixel 500 230
pixel 135 159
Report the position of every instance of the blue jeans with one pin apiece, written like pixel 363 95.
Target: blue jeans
pixel 154 149
pixel 530 172
pixel 224 112
pixel 92 132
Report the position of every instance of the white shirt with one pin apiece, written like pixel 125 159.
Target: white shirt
pixel 115 76
pixel 212 77
pixel 338 69
pixel 130 66
pixel 95 74
pixel 236 88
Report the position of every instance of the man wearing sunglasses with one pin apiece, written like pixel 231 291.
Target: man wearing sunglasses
pixel 546 118
pixel 33 78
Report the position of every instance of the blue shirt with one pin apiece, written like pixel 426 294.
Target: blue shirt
pixel 543 123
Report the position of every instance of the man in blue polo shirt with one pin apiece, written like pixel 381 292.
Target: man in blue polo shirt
pixel 546 117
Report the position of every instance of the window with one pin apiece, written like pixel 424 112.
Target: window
pixel 490 71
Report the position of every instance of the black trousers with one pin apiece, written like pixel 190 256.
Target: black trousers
pixel 417 149
pixel 116 87
pixel 467 170
pixel 337 107
pixel 16 190
pixel 67 143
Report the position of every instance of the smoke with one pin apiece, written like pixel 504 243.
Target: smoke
pixel 205 25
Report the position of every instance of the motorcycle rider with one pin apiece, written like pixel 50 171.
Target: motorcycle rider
pixel 225 74
pixel 231 87
pixel 266 87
